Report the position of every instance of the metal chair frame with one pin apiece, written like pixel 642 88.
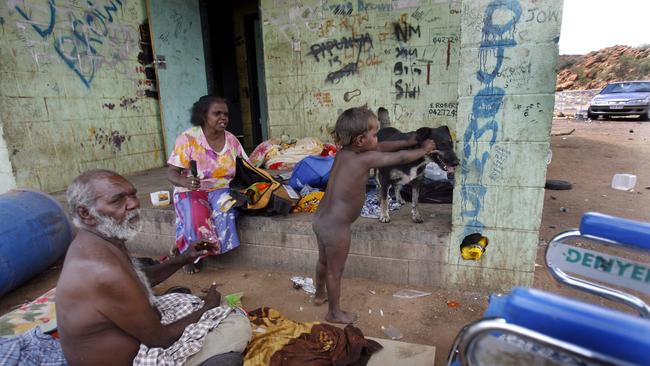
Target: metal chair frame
pixel 465 343
pixel 588 286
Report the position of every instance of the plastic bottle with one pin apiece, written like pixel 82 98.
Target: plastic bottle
pixel 623 182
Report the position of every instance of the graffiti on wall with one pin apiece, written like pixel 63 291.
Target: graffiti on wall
pixel 372 52
pixel 334 51
pixel 84 39
pixel 407 70
pixel 496 37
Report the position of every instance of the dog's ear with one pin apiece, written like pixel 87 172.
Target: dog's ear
pixel 423 133
pixel 445 128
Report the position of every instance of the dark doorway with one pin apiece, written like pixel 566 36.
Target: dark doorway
pixel 220 61
pixel 220 44
pixel 250 22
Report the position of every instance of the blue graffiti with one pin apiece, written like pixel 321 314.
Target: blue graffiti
pixel 486 104
pixel 42 32
pixel 77 49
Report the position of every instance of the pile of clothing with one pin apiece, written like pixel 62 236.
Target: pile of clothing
pixel 274 154
pixel 278 341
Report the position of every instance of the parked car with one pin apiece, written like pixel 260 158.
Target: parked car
pixel 625 98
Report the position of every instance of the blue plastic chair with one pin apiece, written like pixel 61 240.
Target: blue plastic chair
pixel 561 330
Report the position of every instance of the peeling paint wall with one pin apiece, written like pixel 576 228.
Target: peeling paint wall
pixel 7 180
pixel 72 93
pixel 322 57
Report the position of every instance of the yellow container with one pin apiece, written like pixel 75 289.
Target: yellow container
pixel 473 246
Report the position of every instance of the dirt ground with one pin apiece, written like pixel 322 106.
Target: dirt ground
pixel 588 158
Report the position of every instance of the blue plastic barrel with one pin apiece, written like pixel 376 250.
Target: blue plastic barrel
pixel 34 233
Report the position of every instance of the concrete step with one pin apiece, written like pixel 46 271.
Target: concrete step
pixel 398 252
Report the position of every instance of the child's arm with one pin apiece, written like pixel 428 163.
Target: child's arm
pixel 397 145
pixel 377 159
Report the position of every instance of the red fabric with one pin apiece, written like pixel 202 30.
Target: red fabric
pixel 328 150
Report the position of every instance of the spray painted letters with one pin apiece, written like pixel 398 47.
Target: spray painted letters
pixel 496 37
pixel 79 40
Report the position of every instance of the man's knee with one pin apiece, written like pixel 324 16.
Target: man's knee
pixel 238 329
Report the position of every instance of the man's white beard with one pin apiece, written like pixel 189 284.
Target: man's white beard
pixel 111 228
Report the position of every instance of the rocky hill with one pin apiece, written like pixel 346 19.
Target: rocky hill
pixel 595 69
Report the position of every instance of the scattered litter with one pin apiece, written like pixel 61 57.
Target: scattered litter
pixel 623 182
pixel 233 300
pixel 537 265
pixel 259 330
pixel 373 292
pixel 563 209
pixel 631 130
pixel 553 198
pixel 381 312
pixel 551 226
pixel 648 187
pixel 305 283
pixel 564 133
pixel 392 332
pixel 410 294
pixel 453 304
pixel 369 311
pixel 603 195
pixel 301 308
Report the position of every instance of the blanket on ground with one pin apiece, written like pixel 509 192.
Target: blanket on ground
pixel 278 341
pixel 29 315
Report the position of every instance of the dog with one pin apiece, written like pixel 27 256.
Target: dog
pixel 399 175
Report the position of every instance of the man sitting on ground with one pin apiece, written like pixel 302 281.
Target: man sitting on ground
pixel 106 311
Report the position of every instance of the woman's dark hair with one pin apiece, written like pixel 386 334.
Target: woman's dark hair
pixel 201 107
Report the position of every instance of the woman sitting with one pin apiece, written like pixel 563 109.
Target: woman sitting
pixel 197 199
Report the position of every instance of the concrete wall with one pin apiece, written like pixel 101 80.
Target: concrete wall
pixel 72 92
pixel 7 180
pixel 322 57
pixel 485 68
pixel 506 94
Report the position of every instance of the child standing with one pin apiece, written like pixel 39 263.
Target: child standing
pixel 356 133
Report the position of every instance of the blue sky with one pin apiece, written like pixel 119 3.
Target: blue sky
pixel 589 25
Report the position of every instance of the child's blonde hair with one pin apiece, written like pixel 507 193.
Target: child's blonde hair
pixel 352 123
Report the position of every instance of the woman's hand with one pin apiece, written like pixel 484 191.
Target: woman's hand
pixel 193 183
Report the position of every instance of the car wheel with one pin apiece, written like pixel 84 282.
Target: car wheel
pixel 592 115
pixel 645 116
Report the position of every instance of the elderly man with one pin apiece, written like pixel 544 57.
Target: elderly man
pixel 106 311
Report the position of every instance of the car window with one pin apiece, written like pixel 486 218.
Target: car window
pixel 626 88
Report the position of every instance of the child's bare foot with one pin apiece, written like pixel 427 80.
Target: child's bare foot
pixel 320 299
pixel 341 316
pixel 191 269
